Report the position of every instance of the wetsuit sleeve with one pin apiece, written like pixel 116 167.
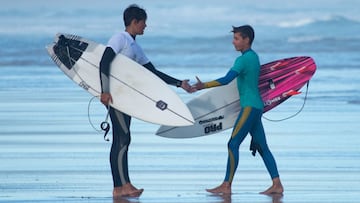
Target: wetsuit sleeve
pixel 105 62
pixel 166 78
pixel 231 75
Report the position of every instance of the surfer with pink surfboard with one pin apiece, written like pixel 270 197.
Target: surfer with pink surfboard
pixel 246 70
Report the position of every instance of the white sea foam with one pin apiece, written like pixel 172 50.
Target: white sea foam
pixel 296 23
pixel 185 18
pixel 304 39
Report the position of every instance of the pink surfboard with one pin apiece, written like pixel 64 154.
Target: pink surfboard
pixel 217 109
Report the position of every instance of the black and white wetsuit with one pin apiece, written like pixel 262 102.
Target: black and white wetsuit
pixel 125 44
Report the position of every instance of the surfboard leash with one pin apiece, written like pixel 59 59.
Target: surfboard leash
pixel 295 114
pixel 105 125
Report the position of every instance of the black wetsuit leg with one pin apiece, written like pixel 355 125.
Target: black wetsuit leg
pixel 119 148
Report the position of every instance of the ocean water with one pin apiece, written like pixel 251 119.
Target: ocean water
pixel 49 152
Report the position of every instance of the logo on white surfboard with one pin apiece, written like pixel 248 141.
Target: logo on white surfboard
pixel 211 127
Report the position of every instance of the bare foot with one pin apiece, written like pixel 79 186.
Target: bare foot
pixel 127 190
pixel 276 188
pixel 224 188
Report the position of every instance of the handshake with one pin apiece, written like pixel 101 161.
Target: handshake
pixel 192 88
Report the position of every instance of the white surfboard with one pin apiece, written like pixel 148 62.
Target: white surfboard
pixel 135 90
pixel 214 111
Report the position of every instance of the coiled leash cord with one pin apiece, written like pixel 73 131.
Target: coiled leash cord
pixel 105 125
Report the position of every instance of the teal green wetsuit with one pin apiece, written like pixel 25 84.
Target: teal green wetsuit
pixel 246 69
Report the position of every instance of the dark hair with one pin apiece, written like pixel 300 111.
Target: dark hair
pixel 245 31
pixel 134 12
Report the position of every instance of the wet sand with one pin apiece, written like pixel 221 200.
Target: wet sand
pixel 50 153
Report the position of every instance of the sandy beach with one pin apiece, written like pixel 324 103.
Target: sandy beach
pixel 50 153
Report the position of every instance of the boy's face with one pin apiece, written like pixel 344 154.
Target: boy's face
pixel 240 43
pixel 139 26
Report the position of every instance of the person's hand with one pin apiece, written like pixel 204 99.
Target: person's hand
pixel 106 98
pixel 198 86
pixel 186 86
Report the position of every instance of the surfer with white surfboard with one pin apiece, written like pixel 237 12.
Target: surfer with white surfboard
pixel 246 69
pixel 124 43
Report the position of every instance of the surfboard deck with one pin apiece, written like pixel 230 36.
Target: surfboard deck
pixel 135 90
pixel 217 109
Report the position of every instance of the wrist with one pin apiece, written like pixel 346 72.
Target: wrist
pixel 179 83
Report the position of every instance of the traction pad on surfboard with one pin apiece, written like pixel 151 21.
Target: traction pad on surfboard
pixel 69 50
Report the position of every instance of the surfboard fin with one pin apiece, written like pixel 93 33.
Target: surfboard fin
pixel 291 93
pixel 301 70
pixel 275 66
